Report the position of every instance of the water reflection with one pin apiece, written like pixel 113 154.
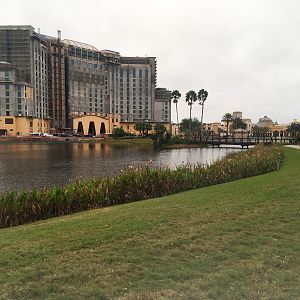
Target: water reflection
pixel 24 166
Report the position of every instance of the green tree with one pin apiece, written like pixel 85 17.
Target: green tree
pixel 294 128
pixel 260 130
pixel 118 132
pixel 202 96
pixel 227 118
pixel 237 123
pixel 175 96
pixel 190 98
pixel 185 125
pixel 159 129
pixel 143 127
pixel 160 135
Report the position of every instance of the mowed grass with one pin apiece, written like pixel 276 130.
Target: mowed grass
pixel 239 240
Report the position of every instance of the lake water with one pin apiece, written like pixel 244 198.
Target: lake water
pixel 24 166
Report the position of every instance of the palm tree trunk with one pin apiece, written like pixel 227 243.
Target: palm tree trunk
pixel 177 113
pixel 201 125
pixel 227 125
pixel 190 124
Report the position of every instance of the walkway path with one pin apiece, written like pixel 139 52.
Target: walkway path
pixel 293 146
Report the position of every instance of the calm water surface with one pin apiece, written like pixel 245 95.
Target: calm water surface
pixel 24 166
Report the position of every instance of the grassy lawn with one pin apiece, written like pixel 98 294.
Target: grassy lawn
pixel 239 240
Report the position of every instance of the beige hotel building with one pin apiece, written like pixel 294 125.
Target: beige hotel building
pixel 52 85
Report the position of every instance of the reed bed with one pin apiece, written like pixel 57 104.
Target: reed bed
pixel 133 184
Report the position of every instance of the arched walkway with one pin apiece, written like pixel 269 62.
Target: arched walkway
pixel 80 128
pixel 92 130
pixel 102 128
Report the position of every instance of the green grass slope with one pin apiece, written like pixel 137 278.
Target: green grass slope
pixel 238 240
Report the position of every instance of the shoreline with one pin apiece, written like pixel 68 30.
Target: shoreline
pixel 90 140
pixel 182 146
pixel 62 140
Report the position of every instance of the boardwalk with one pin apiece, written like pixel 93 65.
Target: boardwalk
pixel 245 141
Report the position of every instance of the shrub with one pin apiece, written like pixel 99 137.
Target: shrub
pixel 118 132
pixel 133 184
pixel 176 139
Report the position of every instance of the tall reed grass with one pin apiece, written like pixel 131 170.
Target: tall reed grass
pixel 133 184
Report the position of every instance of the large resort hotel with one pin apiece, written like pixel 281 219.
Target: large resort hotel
pixel 52 85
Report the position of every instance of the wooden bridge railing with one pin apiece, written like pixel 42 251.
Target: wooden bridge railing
pixel 244 140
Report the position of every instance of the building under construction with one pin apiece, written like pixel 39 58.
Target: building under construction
pixel 79 87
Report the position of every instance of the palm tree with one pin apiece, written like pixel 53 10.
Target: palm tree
pixel 202 96
pixel 190 98
pixel 176 96
pixel 227 118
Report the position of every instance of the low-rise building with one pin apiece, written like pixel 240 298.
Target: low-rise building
pixel 246 121
pixel 16 104
pixel 213 128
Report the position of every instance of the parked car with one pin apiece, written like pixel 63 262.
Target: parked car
pixel 36 134
pixel 47 135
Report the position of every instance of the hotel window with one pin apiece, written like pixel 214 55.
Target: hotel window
pixel 9 121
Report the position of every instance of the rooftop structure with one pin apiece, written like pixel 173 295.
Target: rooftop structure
pixel 68 42
pixel 264 122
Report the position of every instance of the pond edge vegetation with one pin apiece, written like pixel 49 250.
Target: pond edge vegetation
pixel 134 184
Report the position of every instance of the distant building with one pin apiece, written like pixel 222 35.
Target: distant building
pixel 77 87
pixel 25 51
pixel 17 115
pixel 237 114
pixel 247 121
pixel 162 105
pixel 215 128
pixel 264 122
pixel 174 129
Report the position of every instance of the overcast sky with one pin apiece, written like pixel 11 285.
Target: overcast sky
pixel 245 53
